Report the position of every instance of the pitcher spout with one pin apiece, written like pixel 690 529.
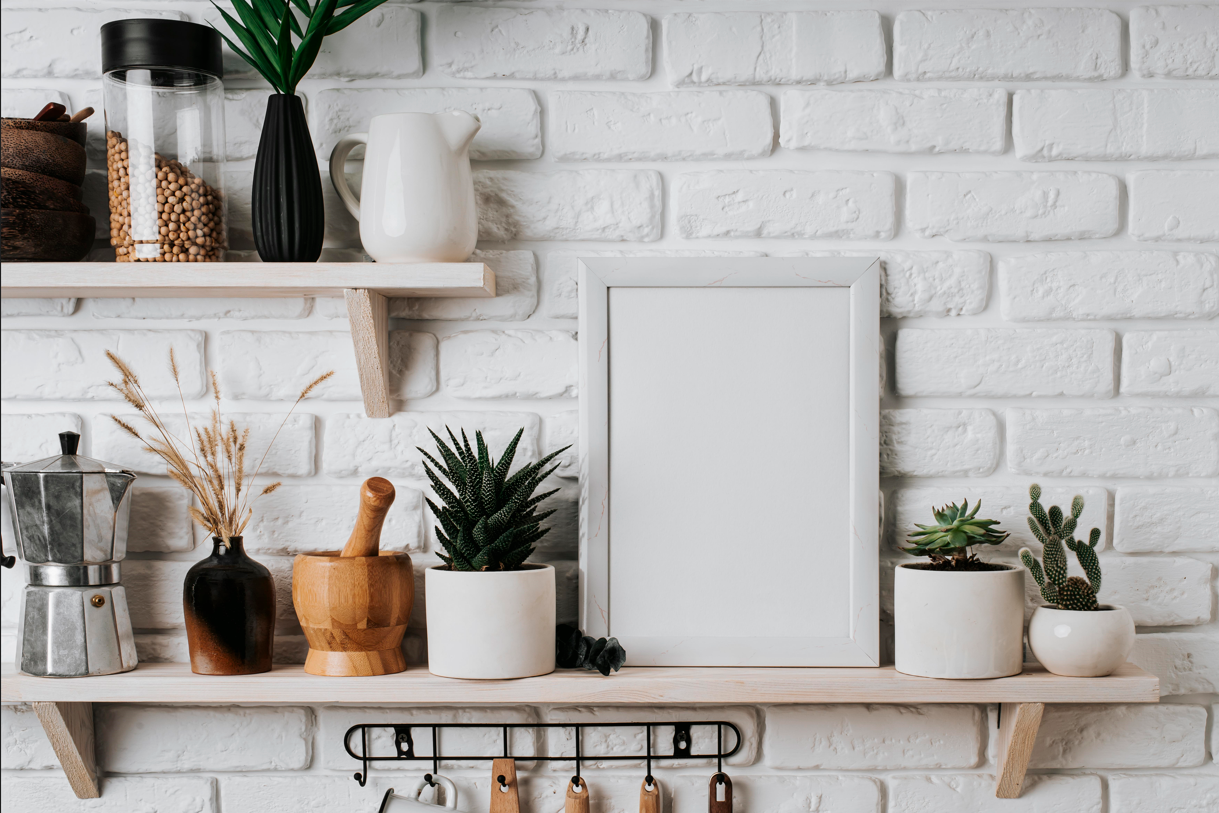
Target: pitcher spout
pixel 459 129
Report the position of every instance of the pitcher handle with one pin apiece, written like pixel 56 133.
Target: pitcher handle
pixel 338 174
pixel 450 790
pixel 6 561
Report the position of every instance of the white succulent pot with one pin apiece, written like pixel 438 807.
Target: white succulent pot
pixel 1081 643
pixel 961 625
pixel 488 626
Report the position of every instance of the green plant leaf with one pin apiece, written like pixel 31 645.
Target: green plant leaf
pixel 254 54
pixel 285 34
pixel 358 9
pixel 262 35
pixel 311 43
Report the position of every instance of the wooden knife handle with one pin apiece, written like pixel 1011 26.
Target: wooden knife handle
pixel 504 798
pixel 376 496
pixel 649 800
pixel 715 806
pixel 577 797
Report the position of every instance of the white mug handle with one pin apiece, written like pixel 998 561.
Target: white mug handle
pixel 338 175
pixel 450 791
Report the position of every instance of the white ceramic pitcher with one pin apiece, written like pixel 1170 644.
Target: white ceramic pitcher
pixel 392 803
pixel 418 193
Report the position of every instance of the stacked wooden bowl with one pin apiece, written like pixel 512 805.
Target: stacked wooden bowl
pixel 43 166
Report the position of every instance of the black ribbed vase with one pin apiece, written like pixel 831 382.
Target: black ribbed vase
pixel 288 213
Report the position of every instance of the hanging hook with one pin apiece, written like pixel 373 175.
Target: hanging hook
pixel 435 756
pixel 503 784
pixel 648 779
pixel 719 748
pixel 362 776
pixel 575 780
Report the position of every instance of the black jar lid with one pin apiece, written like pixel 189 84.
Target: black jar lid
pixel 168 44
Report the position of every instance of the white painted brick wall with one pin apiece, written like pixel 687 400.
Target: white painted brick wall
pixel 1000 362
pixel 938 442
pixel 1118 442
pixel 1165 519
pixel 1175 206
pixel 1114 125
pixel 915 120
pixel 660 140
pixel 1170 362
pixel 1109 285
pixel 1012 206
pixel 1175 42
pixel 770 203
pixel 1007 44
pixel 776 48
pixel 516 43
pixel 688 126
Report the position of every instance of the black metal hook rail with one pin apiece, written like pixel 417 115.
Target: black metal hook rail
pixel 404 744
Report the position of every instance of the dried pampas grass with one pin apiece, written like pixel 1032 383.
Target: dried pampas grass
pixel 210 463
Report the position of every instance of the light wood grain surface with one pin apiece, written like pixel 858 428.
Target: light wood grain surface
pixel 174 683
pixel 368 315
pixel 245 279
pixel 1017 734
pixel 504 800
pixel 69 727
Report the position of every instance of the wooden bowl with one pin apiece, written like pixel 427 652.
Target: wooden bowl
pixel 29 190
pixel 354 611
pixel 44 153
pixel 77 132
pixel 42 235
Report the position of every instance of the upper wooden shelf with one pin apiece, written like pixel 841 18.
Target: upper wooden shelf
pixel 174 683
pixel 96 280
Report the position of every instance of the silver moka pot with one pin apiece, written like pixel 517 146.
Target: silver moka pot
pixel 69 516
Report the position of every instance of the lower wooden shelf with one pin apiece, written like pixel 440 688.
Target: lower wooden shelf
pixel 64 706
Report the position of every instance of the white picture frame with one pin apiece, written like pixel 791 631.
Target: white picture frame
pixel 729 509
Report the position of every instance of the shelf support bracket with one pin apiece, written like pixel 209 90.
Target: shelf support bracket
pixel 1018 724
pixel 368 313
pixel 69 727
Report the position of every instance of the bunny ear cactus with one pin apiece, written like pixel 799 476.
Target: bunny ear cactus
pixel 491 522
pixel 955 532
pixel 1054 530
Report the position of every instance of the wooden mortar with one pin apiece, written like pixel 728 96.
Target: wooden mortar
pixel 354 605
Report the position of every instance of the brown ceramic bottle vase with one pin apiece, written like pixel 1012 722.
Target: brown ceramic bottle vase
pixel 229 603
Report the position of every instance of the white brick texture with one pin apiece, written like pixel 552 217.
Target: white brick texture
pixel 37 307
pixel 356 446
pixel 562 430
pixel 181 794
pixel 938 442
pixel 1115 125
pixel 590 204
pixel 627 741
pixel 776 48
pixel 1109 285
pixel 291 455
pixel 1120 442
pixel 26 746
pixel 516 43
pixel 1007 44
pixel 1111 736
pixel 1195 793
pixel 928 283
pixel 1001 362
pixel 1175 205
pixel 1175 42
pixel 785 203
pixel 1166 519
pixel 915 120
pixel 292 307
pixel 71 364
pixel 159 520
pixel 511 123
pixel 149 739
pixel 1185 662
pixel 1171 362
pixel 26 438
pixel 509 364
pixel 854 737
pixel 1158 591
pixel 1012 206
pixel 384 44
pixel 688 126
pixel 61 42
pixel 975 793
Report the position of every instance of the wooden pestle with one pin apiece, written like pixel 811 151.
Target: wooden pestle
pixel 376 496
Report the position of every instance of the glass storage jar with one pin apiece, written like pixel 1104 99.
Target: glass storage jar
pixel 164 140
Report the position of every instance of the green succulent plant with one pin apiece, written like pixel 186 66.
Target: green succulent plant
pixel 490 520
pixel 1053 530
pixel 268 26
pixel 954 534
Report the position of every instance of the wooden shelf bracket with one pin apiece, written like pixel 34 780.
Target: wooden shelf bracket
pixel 1018 724
pixel 368 312
pixel 69 727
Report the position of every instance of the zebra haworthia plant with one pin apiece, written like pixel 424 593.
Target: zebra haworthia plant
pixel 1053 530
pixel 490 520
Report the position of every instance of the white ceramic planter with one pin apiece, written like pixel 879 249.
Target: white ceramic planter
pixel 488 626
pixel 1081 643
pixel 959 625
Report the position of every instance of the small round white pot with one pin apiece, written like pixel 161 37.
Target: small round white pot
pixel 966 625
pixel 1089 643
pixel 488 626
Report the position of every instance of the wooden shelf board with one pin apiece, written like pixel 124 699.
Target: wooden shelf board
pixel 174 683
pixel 101 280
